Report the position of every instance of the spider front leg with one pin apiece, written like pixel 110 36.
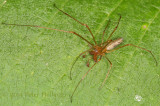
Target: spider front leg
pixel 113 30
pixel 52 29
pixel 78 22
pixel 105 30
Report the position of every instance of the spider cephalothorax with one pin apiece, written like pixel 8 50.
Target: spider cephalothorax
pixel 104 48
pixel 97 51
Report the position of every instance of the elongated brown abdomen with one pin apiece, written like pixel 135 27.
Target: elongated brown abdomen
pixel 114 43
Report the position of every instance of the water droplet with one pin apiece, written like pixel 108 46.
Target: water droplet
pixel 138 98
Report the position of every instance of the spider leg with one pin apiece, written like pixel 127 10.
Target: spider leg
pixel 107 73
pixel 52 29
pixel 81 80
pixel 136 47
pixel 76 61
pixel 105 30
pixel 113 31
pixel 78 22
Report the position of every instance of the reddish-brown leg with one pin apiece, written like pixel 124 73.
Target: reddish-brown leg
pixel 137 47
pixel 105 30
pixel 76 61
pixel 78 22
pixel 81 80
pixel 84 77
pixel 105 43
pixel 107 73
pixel 53 29
pixel 113 31
pixel 100 58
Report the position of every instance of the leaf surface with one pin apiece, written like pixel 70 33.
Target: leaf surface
pixel 35 63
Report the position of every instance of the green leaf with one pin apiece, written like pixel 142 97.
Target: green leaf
pixel 35 63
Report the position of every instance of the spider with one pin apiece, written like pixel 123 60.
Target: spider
pixel 96 50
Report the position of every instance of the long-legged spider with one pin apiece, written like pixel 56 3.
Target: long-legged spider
pixel 96 50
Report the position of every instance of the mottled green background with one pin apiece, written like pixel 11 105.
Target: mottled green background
pixel 35 63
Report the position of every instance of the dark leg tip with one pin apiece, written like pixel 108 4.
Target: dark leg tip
pixel 71 99
pixel 70 78
pixel 54 5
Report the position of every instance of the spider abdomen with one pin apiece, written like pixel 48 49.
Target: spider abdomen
pixel 114 43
